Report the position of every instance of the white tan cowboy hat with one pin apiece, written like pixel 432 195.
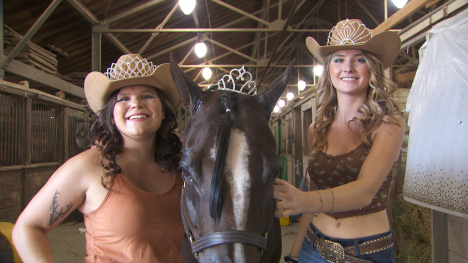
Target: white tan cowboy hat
pixel 353 34
pixel 130 69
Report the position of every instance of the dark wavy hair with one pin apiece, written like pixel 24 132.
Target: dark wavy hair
pixel 109 141
pixel 378 108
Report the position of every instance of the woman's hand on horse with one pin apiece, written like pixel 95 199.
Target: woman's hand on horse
pixel 289 199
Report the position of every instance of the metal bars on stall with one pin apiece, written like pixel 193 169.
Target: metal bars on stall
pixel 11 129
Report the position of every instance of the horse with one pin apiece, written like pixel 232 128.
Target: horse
pixel 229 166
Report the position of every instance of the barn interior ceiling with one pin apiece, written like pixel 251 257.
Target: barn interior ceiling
pixel 55 44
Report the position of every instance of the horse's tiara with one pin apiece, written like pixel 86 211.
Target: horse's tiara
pixel 249 87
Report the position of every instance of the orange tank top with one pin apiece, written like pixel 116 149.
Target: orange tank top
pixel 132 225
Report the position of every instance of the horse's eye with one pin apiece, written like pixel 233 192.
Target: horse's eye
pixel 277 174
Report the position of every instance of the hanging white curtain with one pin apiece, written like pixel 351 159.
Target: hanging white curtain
pixel 437 162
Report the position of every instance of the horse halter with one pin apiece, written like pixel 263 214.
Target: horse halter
pixel 222 237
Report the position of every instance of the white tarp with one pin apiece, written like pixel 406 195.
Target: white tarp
pixel 437 162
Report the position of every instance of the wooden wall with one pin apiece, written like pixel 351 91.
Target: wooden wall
pixel 37 134
pixel 11 192
pixel 17 188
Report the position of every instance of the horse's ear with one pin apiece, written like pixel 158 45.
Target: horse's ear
pixel 271 94
pixel 189 91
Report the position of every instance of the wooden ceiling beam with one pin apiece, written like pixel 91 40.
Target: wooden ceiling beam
pixel 410 8
pixel 30 73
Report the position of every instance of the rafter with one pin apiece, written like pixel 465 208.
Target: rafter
pixel 233 8
pixel 92 19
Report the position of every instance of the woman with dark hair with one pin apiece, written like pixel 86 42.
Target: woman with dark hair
pixel 127 185
pixel 355 142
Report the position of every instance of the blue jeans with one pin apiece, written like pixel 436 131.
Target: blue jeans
pixel 310 254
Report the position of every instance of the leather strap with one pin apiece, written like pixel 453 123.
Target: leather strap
pixel 351 259
pixel 222 237
pixel 227 237
pixel 372 246
pixel 184 217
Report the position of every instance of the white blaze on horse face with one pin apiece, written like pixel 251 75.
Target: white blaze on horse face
pixel 239 182
pixel 237 162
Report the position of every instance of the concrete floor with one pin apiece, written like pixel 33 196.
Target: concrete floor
pixel 67 241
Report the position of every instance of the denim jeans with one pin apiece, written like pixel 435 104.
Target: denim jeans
pixel 310 254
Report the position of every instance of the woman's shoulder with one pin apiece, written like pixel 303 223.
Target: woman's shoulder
pixel 394 122
pixel 85 162
pixel 394 126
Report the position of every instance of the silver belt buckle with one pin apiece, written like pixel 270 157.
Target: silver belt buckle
pixel 331 251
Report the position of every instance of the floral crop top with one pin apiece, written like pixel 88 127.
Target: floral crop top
pixel 328 171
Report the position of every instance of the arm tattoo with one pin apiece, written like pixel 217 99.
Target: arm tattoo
pixel 55 214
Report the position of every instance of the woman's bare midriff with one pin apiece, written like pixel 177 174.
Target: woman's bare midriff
pixel 353 227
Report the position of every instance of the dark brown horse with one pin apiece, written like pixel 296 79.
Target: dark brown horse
pixel 229 165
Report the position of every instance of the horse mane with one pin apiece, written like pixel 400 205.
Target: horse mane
pixel 222 143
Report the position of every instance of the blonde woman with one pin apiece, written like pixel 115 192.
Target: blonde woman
pixel 355 142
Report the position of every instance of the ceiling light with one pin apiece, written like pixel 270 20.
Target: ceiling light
pixel 399 3
pixel 301 84
pixel 318 70
pixel 187 6
pixel 290 96
pixel 281 103
pixel 200 49
pixel 206 73
pixel 276 109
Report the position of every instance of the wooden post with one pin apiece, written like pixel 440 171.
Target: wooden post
pixel 439 237
pixel 96 52
pixel 66 132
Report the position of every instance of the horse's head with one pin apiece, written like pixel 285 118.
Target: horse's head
pixel 229 166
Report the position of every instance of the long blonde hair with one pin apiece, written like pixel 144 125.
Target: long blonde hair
pixel 379 107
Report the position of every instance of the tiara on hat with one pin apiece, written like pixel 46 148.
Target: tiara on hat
pixel 248 88
pixel 348 32
pixel 130 66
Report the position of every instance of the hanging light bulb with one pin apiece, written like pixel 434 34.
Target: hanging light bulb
pixel 276 109
pixel 200 49
pixel 206 73
pixel 399 3
pixel 281 103
pixel 301 84
pixel 318 70
pixel 290 96
pixel 187 6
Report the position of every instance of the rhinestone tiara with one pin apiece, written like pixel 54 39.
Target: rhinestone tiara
pixel 130 66
pixel 348 32
pixel 249 87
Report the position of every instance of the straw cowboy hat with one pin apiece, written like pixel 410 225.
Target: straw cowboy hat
pixel 353 34
pixel 129 70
